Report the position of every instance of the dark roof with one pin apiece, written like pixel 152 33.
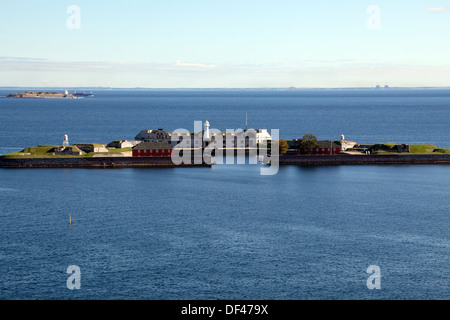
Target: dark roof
pixel 326 144
pixel 320 144
pixel 152 145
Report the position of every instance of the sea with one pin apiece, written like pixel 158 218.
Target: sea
pixel 226 232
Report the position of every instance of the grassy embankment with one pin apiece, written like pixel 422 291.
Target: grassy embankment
pixel 391 148
pixel 46 151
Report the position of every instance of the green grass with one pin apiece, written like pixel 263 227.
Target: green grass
pixel 41 151
pixel 391 148
pixel 385 146
pixel 422 148
pixel 413 148
pixel 110 151
pixel 120 150
pixel 20 155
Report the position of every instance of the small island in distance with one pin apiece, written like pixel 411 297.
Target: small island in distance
pixel 49 95
pixel 41 94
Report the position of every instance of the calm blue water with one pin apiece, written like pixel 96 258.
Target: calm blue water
pixel 365 116
pixel 227 232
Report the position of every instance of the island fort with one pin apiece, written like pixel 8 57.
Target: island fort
pixel 155 148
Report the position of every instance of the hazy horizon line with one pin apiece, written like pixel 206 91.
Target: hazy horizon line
pixel 218 88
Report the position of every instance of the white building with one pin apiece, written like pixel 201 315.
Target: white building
pixel 235 138
pixel 346 144
pixel 262 136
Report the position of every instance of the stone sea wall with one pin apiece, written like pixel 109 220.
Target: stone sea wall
pixel 91 162
pixel 346 159
pixel 310 160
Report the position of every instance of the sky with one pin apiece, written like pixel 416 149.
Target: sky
pixel 224 44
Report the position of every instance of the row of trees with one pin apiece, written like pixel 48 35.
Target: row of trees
pixel 304 145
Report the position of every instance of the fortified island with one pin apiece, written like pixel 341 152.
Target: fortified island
pixel 154 148
pixel 48 95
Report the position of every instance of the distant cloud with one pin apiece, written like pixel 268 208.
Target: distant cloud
pixel 31 64
pixel 304 73
pixel 198 65
pixel 20 59
pixel 45 65
pixel 438 9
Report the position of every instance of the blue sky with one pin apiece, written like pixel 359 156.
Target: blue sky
pixel 217 44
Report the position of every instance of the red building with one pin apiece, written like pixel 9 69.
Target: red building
pixel 326 148
pixel 152 149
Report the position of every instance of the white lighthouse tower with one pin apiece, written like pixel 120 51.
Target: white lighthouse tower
pixel 66 140
pixel 206 134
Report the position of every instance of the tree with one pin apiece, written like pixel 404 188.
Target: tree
pixel 305 144
pixel 283 146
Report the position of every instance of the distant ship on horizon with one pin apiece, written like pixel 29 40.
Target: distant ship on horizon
pixel 379 87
